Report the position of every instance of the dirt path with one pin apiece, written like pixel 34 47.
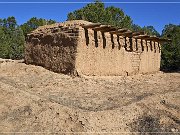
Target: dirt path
pixel 34 99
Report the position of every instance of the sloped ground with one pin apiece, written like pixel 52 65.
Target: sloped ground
pixel 33 99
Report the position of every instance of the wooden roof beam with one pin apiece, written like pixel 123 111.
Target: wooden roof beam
pixel 99 28
pixel 141 37
pixel 93 25
pixel 128 33
pixel 138 33
pixel 109 29
pixel 118 30
pixel 152 38
pixel 104 28
pixel 123 30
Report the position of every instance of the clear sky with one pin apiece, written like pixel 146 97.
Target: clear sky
pixel 143 14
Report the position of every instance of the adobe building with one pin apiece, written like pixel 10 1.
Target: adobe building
pixel 85 48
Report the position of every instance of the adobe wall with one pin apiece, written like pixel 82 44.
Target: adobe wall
pixel 68 48
pixel 53 47
pixel 112 55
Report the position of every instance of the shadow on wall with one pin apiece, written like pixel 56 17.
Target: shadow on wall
pixel 128 42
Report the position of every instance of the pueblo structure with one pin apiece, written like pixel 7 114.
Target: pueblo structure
pixel 83 48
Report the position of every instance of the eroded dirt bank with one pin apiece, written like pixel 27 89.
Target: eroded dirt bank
pixel 33 99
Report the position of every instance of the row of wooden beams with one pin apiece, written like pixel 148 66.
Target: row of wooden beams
pixel 152 38
pixel 124 32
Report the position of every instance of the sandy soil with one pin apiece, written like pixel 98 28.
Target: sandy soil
pixel 35 100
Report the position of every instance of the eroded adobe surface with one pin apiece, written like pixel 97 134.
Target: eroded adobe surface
pixel 71 49
pixel 53 46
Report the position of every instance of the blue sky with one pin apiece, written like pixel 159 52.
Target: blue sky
pixel 155 14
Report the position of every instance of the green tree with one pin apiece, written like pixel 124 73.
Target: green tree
pixel 11 22
pixel 171 51
pixel 11 39
pixel 3 44
pixel 96 12
pixel 34 23
pixel 91 12
pixel 17 44
pixel 151 31
pixel 136 28
pixel 115 16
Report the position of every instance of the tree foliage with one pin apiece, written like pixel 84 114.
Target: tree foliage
pixel 12 36
pixel 136 28
pixel 11 39
pixel 171 51
pixel 34 23
pixel 150 30
pixel 96 12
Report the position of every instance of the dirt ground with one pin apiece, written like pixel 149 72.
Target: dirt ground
pixel 35 100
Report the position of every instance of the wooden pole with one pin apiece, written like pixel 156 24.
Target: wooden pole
pixel 93 25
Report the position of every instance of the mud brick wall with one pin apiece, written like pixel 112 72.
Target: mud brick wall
pixel 111 55
pixel 68 48
pixel 53 47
